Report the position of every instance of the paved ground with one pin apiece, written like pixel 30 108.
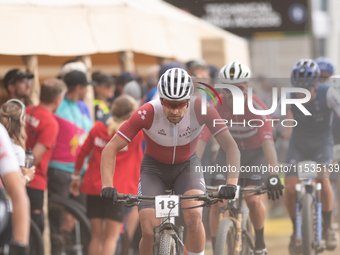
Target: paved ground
pixel 277 233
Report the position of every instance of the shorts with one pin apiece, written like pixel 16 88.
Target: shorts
pixel 103 209
pixel 319 149
pixel 251 157
pixel 156 177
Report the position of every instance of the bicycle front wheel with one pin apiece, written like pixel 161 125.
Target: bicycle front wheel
pixel 225 240
pixel 167 245
pixel 307 224
pixel 248 236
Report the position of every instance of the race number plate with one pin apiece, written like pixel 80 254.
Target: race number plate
pixel 167 206
pixel 308 169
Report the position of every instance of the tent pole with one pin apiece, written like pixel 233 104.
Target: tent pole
pixel 31 63
pixel 89 99
pixel 126 59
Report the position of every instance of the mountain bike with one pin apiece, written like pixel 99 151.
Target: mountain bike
pixel 308 208
pixel 335 180
pixel 168 236
pixel 235 233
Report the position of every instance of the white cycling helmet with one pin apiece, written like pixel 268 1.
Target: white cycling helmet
pixel 175 84
pixel 235 73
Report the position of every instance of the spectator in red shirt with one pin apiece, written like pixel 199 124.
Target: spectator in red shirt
pixel 125 179
pixel 42 130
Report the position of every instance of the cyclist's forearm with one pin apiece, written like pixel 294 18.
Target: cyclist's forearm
pixel 270 154
pixel 232 152
pixel 233 157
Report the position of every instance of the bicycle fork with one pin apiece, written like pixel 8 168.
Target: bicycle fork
pixel 318 217
pixel 298 223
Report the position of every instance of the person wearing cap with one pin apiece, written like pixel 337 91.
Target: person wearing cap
pixel 327 68
pixel 18 84
pixel 74 126
pixel 122 79
pixel 104 89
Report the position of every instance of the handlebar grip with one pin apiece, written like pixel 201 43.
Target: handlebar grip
pixel 121 196
pixel 215 194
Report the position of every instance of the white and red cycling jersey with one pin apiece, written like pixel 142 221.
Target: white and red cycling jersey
pixel 167 142
pixel 242 127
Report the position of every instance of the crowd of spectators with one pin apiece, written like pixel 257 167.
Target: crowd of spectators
pixel 66 141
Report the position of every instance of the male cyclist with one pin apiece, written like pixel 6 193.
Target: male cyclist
pixel 171 125
pixel 312 140
pixel 256 146
pixel 326 68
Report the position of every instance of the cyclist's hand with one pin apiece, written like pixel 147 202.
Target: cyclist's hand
pixel 74 187
pixel 274 187
pixel 227 191
pixel 109 193
pixel 16 248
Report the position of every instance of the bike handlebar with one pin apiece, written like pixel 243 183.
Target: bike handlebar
pixel 261 189
pixel 209 198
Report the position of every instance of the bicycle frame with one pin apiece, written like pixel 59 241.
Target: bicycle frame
pixel 235 207
pixel 167 226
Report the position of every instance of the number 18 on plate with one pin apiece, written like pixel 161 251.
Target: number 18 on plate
pixel 167 206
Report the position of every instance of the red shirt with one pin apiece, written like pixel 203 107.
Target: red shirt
pixel 246 136
pixel 43 124
pixel 166 142
pixel 128 160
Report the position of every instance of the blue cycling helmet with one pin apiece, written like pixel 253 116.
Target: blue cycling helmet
pixel 305 73
pixel 325 65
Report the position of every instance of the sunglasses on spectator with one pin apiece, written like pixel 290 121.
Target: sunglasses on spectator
pixel 174 105
pixel 20 104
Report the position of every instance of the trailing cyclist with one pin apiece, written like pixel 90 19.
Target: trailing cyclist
pixel 312 139
pixel 257 149
pixel 171 125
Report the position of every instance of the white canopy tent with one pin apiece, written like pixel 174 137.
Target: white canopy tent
pixel 84 27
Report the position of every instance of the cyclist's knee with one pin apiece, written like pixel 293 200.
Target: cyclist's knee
pixel 193 219
pixel 148 235
pixel 253 202
pixel 290 186
pixel 324 181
